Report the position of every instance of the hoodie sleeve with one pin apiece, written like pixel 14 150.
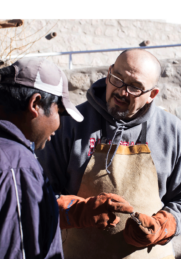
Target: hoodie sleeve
pixel 165 133
pixel 39 217
pixel 172 198
pixel 27 203
pixel 167 158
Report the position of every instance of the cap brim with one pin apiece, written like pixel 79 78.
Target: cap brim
pixel 72 110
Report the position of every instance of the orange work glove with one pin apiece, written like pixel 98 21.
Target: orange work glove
pixel 157 229
pixel 98 211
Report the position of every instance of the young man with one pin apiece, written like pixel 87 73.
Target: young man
pixel 33 97
pixel 128 146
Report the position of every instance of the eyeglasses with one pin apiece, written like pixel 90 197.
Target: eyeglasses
pixel 117 82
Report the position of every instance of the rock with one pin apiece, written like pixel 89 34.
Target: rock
pixel 99 31
pixel 77 99
pixel 80 81
pixel 168 71
pixel 175 62
pixel 1 62
pixel 112 22
pixel 51 35
pixel 145 43
pixel 111 32
pixel 164 96
pixel 178 112
pixel 97 74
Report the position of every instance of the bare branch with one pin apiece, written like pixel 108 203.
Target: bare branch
pixel 11 39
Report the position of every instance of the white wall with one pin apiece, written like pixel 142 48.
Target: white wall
pixel 75 35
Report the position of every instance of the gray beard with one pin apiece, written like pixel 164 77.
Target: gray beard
pixel 115 113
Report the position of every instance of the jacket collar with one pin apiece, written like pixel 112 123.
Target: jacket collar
pixel 9 130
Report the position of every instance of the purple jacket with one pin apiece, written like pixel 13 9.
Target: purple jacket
pixel 29 218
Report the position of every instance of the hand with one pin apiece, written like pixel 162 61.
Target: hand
pixel 95 211
pixel 157 229
pixel 101 209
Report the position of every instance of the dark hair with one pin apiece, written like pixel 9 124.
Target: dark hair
pixel 15 98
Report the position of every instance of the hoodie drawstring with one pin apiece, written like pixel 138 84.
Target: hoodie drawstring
pixel 122 128
pixel 118 143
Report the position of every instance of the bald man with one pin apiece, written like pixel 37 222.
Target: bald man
pixel 127 146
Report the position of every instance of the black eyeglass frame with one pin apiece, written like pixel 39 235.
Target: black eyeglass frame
pixel 126 85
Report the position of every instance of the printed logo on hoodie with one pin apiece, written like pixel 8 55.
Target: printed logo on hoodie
pixel 93 143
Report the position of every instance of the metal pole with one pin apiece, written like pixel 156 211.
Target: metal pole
pixel 70 53
pixel 87 51
pixel 70 61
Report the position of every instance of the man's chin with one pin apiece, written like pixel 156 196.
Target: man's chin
pixel 40 146
pixel 119 115
pixel 116 114
pixel 122 115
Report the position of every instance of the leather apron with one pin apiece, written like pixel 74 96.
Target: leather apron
pixel 133 176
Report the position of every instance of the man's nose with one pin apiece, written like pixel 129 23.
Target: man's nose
pixel 122 91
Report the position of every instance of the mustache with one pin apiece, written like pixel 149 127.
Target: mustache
pixel 121 98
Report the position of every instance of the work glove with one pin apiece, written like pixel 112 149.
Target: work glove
pixel 147 231
pixel 97 211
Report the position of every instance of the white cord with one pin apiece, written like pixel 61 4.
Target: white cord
pixel 19 214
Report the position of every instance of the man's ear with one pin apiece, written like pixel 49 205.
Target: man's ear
pixel 108 75
pixel 153 94
pixel 33 105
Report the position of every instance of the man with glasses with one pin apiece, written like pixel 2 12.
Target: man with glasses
pixel 128 146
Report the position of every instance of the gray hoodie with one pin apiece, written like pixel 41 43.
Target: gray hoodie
pixel 65 158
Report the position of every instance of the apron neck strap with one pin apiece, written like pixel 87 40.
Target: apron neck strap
pixel 141 139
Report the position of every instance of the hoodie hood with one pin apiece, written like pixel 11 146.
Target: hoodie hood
pixel 96 96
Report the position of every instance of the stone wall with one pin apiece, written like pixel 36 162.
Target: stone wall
pixel 75 35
